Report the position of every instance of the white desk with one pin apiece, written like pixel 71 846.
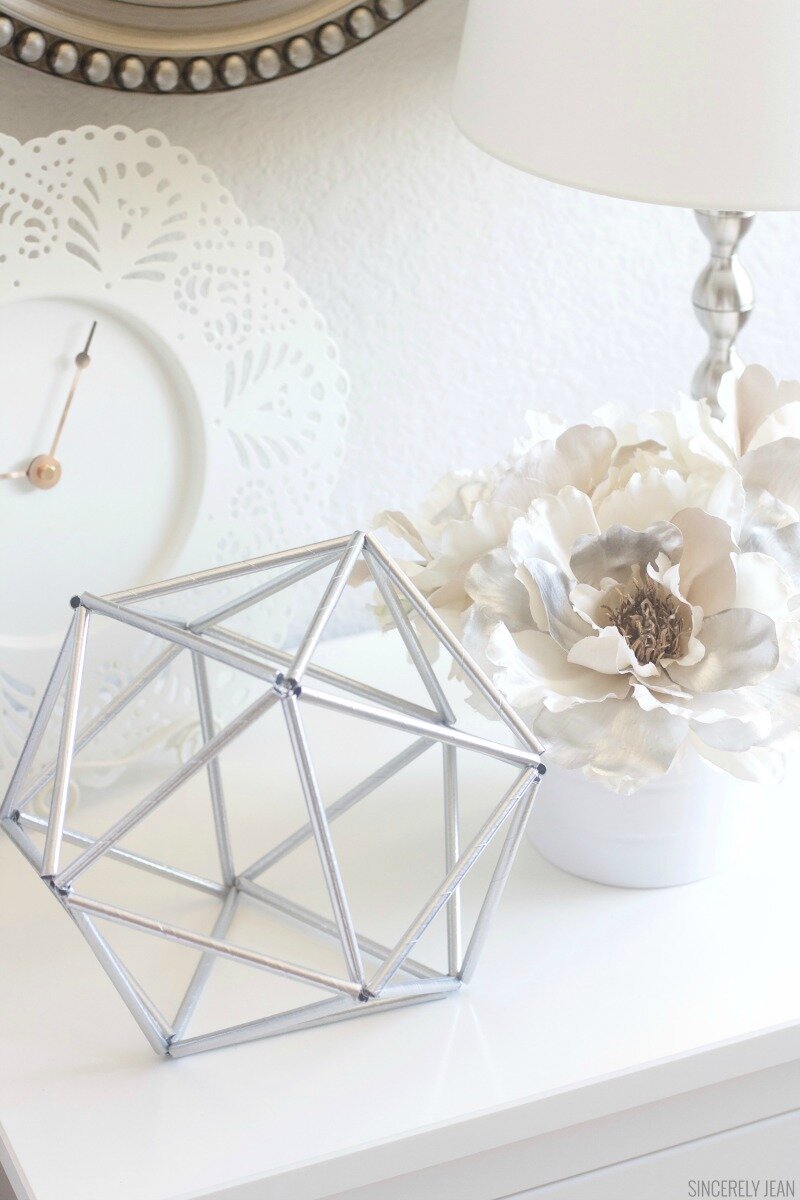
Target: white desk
pixel 602 1025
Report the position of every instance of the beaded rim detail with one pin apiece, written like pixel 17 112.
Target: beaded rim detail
pixel 300 49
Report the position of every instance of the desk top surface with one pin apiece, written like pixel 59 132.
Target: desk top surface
pixel 582 993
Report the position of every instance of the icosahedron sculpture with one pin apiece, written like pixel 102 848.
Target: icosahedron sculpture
pixel 375 976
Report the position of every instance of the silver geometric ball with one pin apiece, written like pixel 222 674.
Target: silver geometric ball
pixel 376 976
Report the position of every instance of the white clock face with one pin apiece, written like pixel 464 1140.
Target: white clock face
pixel 131 456
pixel 207 428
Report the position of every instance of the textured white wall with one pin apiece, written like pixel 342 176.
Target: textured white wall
pixel 460 291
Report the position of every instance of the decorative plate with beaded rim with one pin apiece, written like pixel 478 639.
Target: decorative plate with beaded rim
pixel 190 46
pixel 210 424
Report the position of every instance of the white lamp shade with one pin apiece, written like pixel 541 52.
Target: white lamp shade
pixel 687 102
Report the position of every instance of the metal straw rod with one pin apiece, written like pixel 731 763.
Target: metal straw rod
pixel 23 843
pixel 137 685
pixel 176 780
pixel 285 1022
pixel 305 916
pixel 327 604
pixel 443 985
pixel 213 771
pixel 281 659
pixel 411 641
pixel 464 660
pixel 339 807
pixel 185 937
pixel 151 865
pixel 451 842
pixel 497 886
pixel 322 836
pixel 216 574
pixel 43 715
pixel 256 595
pixel 178 635
pixel 122 982
pixel 327 1012
pixel 66 747
pixel 203 969
pixel 452 880
pixel 442 733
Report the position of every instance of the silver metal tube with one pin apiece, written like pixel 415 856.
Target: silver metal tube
pixel 45 711
pixel 305 916
pixel 84 737
pixel 176 780
pixel 322 836
pixel 28 821
pixel 216 574
pixel 339 807
pixel 255 595
pixel 451 842
pixel 443 985
pixel 281 659
pixel 178 635
pixel 285 1022
pixel 330 599
pixel 213 771
pixel 66 747
pixel 203 969
pixel 122 982
pixel 441 733
pixel 452 880
pixel 411 641
pixel 185 937
pixel 23 843
pixel 327 1012
pixel 497 886
pixel 464 660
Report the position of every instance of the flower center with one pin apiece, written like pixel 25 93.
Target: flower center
pixel 650 620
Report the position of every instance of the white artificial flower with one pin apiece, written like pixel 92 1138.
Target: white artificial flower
pixel 632 585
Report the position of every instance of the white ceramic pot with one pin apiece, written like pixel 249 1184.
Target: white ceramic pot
pixel 692 822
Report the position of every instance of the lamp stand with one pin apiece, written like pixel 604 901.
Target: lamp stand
pixel 722 299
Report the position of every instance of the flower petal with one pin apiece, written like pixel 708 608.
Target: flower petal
pixel 741 648
pixel 772 528
pixel 609 653
pixel 533 669
pixel 578 458
pixel 762 584
pixel 622 745
pixel 784 422
pixel 775 468
pixel 613 553
pixel 706 572
pixel 589 603
pixel 551 528
pixel 553 587
pixel 493 585
pixel 650 496
pixel 746 402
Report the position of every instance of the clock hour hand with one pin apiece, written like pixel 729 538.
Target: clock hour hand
pixel 82 361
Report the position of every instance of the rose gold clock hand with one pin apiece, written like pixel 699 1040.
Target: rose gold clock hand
pixel 13 474
pixel 82 361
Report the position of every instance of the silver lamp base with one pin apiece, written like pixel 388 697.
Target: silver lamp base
pixel 722 299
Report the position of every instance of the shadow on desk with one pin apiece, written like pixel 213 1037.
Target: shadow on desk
pixel 6 1190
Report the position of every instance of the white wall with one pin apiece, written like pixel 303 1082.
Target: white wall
pixel 460 291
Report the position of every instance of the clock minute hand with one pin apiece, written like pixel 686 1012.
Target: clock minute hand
pixel 82 361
